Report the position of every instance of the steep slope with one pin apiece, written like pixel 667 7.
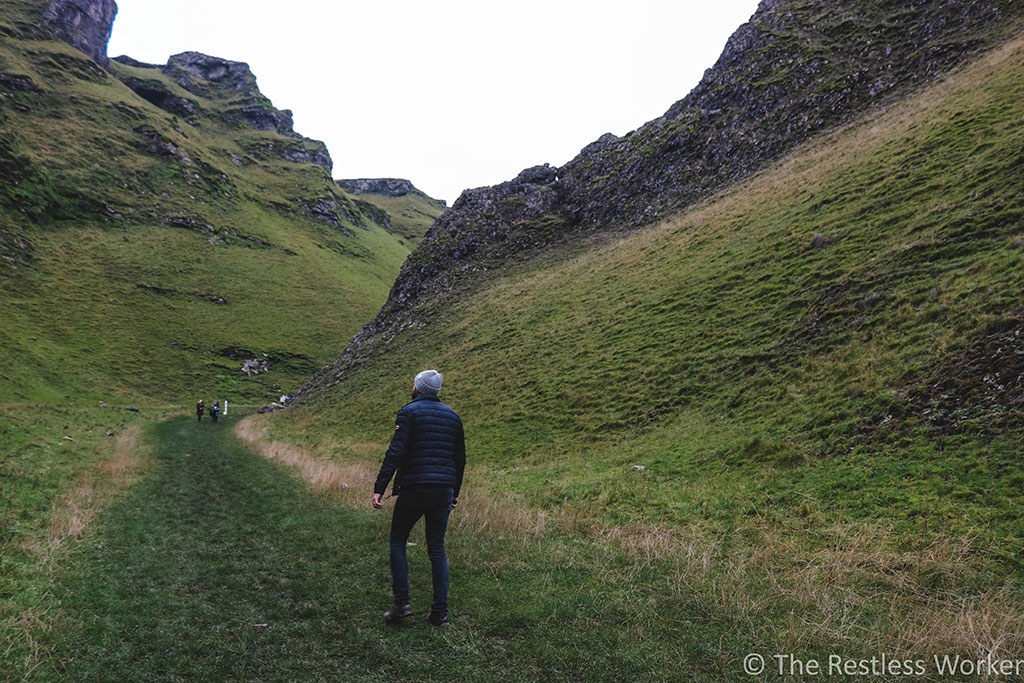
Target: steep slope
pixel 796 69
pixel 836 340
pixel 410 211
pixel 160 226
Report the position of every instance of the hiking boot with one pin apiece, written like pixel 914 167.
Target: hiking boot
pixel 397 613
pixel 438 619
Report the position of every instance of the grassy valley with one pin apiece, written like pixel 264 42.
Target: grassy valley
pixel 151 250
pixel 824 358
pixel 160 226
pixel 784 419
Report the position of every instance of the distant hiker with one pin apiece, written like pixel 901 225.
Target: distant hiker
pixel 428 453
pixel 215 411
pixel 199 411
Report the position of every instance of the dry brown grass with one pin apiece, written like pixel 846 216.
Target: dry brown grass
pixel 916 599
pixel 350 483
pixel 76 509
pixel 69 519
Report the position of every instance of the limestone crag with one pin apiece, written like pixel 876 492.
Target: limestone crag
pixel 331 211
pixel 486 225
pixel 389 187
pixel 212 78
pixel 84 24
pixel 215 72
pixel 794 70
pixel 208 76
pixel 302 154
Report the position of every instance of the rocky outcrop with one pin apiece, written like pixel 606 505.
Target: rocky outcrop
pixel 128 61
pixel 262 116
pixel 312 152
pixel 487 226
pixel 212 72
pixel 794 70
pixel 156 93
pixel 209 77
pixel 84 24
pixel 389 187
pixel 213 78
pixel 335 210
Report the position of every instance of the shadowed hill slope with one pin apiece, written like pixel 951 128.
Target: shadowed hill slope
pixel 160 226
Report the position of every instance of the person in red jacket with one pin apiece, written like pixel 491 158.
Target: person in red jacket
pixel 427 457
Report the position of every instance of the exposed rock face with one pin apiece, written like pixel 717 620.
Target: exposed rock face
pixel 794 70
pixel 84 24
pixel 224 74
pixel 302 154
pixel 389 187
pixel 155 93
pixel 331 210
pixel 265 118
pixel 209 78
pixel 128 61
pixel 488 224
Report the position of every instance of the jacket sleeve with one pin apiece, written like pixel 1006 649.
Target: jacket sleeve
pixel 460 458
pixel 396 452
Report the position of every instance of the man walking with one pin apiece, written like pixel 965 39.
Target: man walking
pixel 199 410
pixel 427 457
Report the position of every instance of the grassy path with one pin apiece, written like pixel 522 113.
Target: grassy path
pixel 215 542
pixel 179 573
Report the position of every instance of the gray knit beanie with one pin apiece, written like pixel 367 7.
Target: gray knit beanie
pixel 428 382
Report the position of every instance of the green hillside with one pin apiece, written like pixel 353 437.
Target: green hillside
pixel 410 211
pixel 827 353
pixel 159 226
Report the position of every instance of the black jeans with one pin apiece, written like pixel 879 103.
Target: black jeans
pixel 433 504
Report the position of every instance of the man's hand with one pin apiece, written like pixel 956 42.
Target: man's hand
pixel 455 501
pixel 377 503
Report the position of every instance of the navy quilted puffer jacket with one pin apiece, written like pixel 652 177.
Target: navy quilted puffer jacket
pixel 428 448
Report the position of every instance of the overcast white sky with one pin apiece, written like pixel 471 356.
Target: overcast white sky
pixel 450 94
